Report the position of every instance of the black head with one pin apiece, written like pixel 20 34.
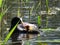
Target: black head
pixel 14 21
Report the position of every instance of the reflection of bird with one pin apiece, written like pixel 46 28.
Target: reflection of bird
pixel 28 30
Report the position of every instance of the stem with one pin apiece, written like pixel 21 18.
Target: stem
pixel 47 8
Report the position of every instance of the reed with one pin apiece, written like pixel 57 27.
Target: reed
pixel 47 10
pixel 1 3
pixel 9 34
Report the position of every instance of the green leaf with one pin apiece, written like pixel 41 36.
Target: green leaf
pixel 27 0
pixel 19 14
pixel 3 13
pixel 47 7
pixel 39 20
pixel 1 3
pixel 9 34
